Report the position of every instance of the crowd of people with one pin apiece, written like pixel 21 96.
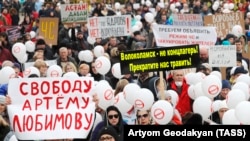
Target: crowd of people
pixel 73 39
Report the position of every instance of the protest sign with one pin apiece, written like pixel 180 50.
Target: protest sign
pixel 48 28
pixel 222 56
pixel 225 22
pixel 13 33
pixel 102 27
pixel 74 13
pixel 51 108
pixel 169 35
pixel 187 20
pixel 160 59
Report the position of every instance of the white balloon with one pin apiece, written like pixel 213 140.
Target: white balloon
pixel 31 70
pixel 139 24
pixel 88 56
pixel 231 6
pixel 30 46
pixel 229 118
pixel 237 30
pixel 216 105
pixel 6 73
pixel 102 65
pixel 215 6
pixel 226 6
pixel 116 71
pixel 98 51
pixel 190 78
pixel 234 97
pixel 23 59
pixel 211 86
pixel 243 78
pixel 135 28
pixel 202 105
pixel 138 17
pixel 216 73
pixel 129 92
pixel 117 5
pixel 162 112
pixel 90 40
pixel 174 97
pixel 105 94
pixel 198 90
pixel 149 17
pixel 144 99
pixel 122 104
pixel 81 55
pixel 142 2
pixel 32 34
pixel 71 75
pixel 191 92
pixel 242 113
pixel 242 86
pixel 148 3
pixel 54 71
pixel 18 50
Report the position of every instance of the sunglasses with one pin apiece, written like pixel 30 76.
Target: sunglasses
pixel 144 115
pixel 113 116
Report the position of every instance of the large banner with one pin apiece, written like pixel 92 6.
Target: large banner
pixel 48 28
pixel 169 35
pixel 102 27
pixel 222 56
pixel 51 108
pixel 74 13
pixel 187 20
pixel 225 22
pixel 160 59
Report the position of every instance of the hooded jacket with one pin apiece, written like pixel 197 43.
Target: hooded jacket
pixel 119 127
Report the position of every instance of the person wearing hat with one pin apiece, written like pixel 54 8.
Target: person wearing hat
pixel 237 72
pixel 80 43
pixel 48 53
pixel 226 87
pixel 38 54
pixel 136 37
pixel 113 118
pixel 107 133
pixel 217 115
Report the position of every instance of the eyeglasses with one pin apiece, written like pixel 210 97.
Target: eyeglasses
pixel 144 115
pixel 106 138
pixel 113 116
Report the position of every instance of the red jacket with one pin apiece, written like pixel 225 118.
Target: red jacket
pixel 185 102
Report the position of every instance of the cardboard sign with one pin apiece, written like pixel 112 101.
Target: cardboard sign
pixel 48 28
pixel 160 59
pixel 225 22
pixel 51 108
pixel 74 13
pixel 13 33
pixel 102 27
pixel 169 35
pixel 187 20
pixel 222 56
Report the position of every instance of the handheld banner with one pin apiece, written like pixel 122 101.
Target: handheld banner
pixel 48 28
pixel 225 22
pixel 102 27
pixel 51 108
pixel 74 13
pixel 160 59
pixel 222 56
pixel 187 20
pixel 169 35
